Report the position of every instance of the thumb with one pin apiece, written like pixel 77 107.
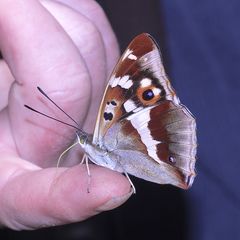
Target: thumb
pixel 50 197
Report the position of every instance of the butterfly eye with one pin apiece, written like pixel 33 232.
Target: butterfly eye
pixel 113 103
pixel 148 95
pixel 82 139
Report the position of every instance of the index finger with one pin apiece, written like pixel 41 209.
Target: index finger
pixel 39 53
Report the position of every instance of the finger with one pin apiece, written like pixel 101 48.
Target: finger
pixel 81 29
pixel 60 196
pixel 6 79
pixel 6 140
pixel 92 10
pixel 42 55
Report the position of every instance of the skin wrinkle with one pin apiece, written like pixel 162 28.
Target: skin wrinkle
pixel 11 176
pixel 5 83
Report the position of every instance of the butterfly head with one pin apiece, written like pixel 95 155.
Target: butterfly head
pixel 82 138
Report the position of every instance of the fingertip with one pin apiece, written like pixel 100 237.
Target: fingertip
pixel 113 187
pixel 106 190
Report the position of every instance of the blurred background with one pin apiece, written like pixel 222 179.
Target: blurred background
pixel 200 43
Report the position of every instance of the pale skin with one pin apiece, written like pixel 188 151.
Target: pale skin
pixel 67 48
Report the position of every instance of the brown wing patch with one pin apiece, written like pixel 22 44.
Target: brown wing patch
pixel 111 111
pixel 128 65
pixel 175 128
pixel 130 132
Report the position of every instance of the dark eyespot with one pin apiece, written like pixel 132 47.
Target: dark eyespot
pixel 148 95
pixel 108 116
pixel 113 103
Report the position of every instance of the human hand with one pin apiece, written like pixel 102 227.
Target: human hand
pixel 68 49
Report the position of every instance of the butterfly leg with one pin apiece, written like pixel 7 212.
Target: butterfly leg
pixel 64 152
pixel 85 159
pixel 89 175
pixel 131 183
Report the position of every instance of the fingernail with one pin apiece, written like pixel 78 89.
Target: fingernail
pixel 115 202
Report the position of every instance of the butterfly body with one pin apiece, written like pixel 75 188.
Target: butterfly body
pixel 142 128
pixel 99 155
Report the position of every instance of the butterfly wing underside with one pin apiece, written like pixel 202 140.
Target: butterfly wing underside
pixel 141 122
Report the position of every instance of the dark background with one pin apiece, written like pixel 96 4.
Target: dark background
pixel 200 41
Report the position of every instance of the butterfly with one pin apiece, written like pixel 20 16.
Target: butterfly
pixel 142 129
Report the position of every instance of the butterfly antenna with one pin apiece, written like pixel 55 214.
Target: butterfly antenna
pixel 45 95
pixel 53 118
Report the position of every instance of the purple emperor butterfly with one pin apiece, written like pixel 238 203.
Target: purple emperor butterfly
pixel 142 129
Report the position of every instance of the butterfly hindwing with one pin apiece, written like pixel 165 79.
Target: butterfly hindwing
pixel 142 122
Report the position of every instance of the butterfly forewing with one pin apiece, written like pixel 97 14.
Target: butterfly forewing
pixel 139 65
pixel 142 122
